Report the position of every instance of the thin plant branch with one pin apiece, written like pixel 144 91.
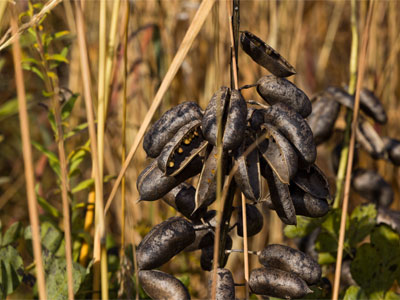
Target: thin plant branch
pixel 27 155
pixel 186 44
pixel 361 69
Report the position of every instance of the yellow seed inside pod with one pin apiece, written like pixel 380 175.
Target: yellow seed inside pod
pixel 196 133
pixel 171 164
pixel 187 141
pixel 180 150
pixel 215 155
pixel 212 171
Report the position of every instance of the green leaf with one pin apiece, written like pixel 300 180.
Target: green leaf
pixel 48 208
pixel 354 293
pixel 75 158
pixel 12 234
pixel 392 296
pixel 53 159
pixel 51 236
pixel 332 222
pixel 61 34
pixel 9 108
pixel 76 130
pixel 33 69
pixel 88 183
pixel 58 58
pixel 304 227
pixel 68 106
pixel 12 270
pixel 326 258
pixel 362 221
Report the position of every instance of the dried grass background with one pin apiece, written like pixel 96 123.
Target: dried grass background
pixel 313 35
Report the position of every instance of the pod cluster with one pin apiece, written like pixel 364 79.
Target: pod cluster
pixel 270 140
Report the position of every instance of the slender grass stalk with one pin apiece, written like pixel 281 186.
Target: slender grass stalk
pixel 3 6
pixel 245 247
pixel 27 155
pixel 361 69
pixel 187 42
pixel 84 61
pixel 84 253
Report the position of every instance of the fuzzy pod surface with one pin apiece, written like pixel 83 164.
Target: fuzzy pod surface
pixel 392 147
pixel 291 260
pixel 254 218
pixel 163 242
pixel 275 90
pixel 169 123
pixel 277 283
pixel 265 55
pixel 162 286
pixel 313 182
pixel 225 286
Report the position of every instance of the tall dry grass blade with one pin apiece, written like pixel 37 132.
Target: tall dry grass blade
pixel 245 247
pixel 85 70
pixel 361 69
pixel 187 42
pixel 27 155
pixel 84 253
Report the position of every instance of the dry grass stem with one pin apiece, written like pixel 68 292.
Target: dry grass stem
pixel 361 69
pixel 187 42
pixel 28 162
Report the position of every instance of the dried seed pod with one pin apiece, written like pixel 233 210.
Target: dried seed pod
pixel 277 283
pixel 204 237
pixel 278 152
pixel 265 55
pixel 370 185
pixel 389 217
pixel 182 199
pixel 313 182
pixel 275 90
pixel 162 286
pixel 207 186
pixel 163 242
pixel 295 129
pixel 369 139
pixel 225 286
pixel 392 147
pixel 254 218
pixel 209 123
pixel 372 106
pixel 322 119
pixel 291 260
pixel 256 119
pixel 186 144
pixel 248 176
pixel 207 254
pixel 280 196
pixel 235 125
pixel 304 203
pixel 152 184
pixel 165 128
pixel 369 104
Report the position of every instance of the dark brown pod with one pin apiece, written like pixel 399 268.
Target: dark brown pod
pixel 170 122
pixel 209 124
pixel 275 90
pixel 277 283
pixel 207 254
pixel 278 152
pixel 205 236
pixel 248 175
pixel 152 184
pixel 292 261
pixel 392 147
pixel 322 119
pixel 254 218
pixel 163 242
pixel 265 55
pixel 280 196
pixel 389 217
pixel 162 286
pixel 304 203
pixel 370 185
pixel 369 139
pixel 256 119
pixel 182 199
pixel 235 125
pixel 341 96
pixel 207 186
pixel 295 129
pixel 225 286
pixel 313 182
pixel 186 144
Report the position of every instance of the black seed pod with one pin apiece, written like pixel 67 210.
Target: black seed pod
pixel 291 260
pixel 225 286
pixel 265 55
pixel 207 254
pixel 369 139
pixel 186 144
pixel 313 182
pixel 152 184
pixel 169 123
pixel 370 185
pixel 392 147
pixel 322 119
pixel 235 121
pixel 162 286
pixel 277 283
pixel 254 220
pixel 389 217
pixel 274 90
pixel 295 129
pixel 163 242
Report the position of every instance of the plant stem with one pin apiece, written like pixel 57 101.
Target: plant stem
pixel 27 155
pixel 361 69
